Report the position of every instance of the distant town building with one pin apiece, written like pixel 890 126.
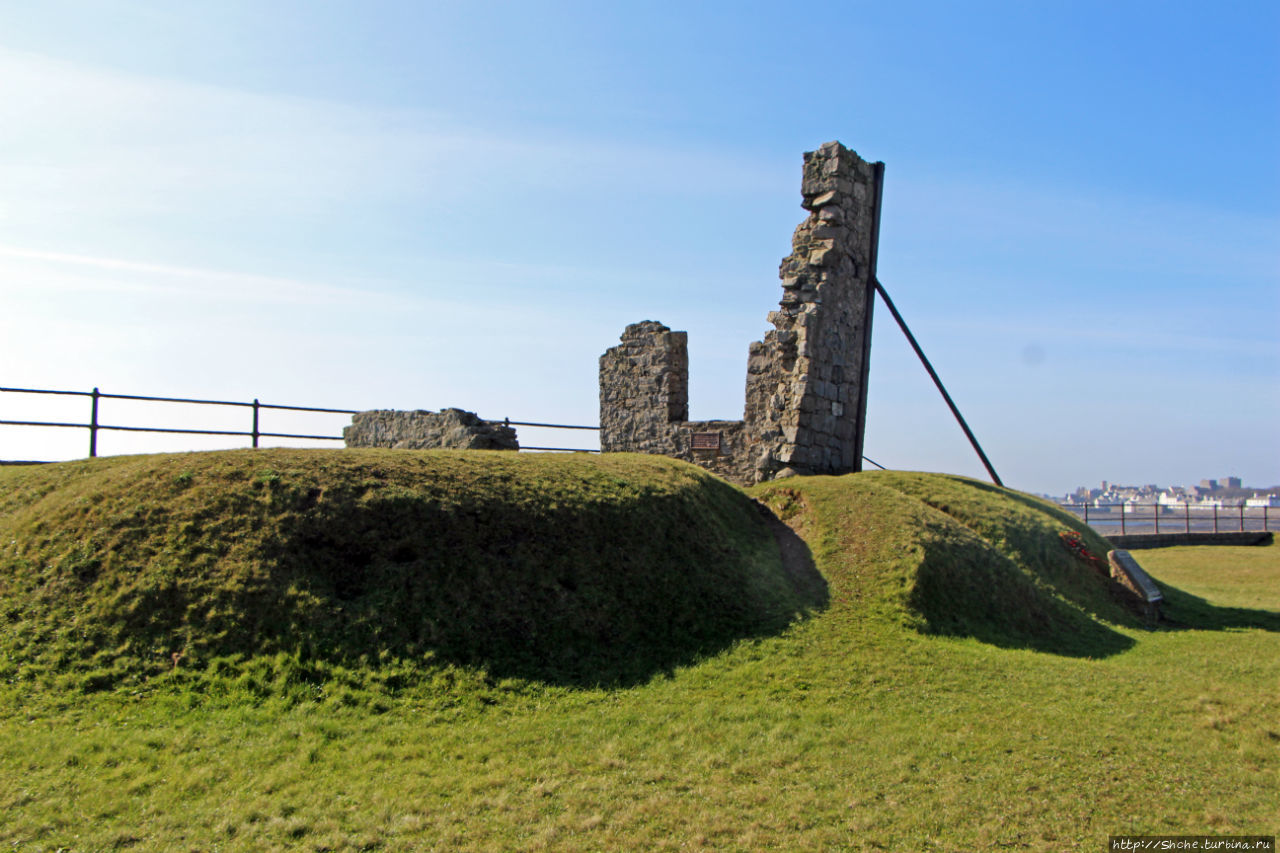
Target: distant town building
pixel 1210 494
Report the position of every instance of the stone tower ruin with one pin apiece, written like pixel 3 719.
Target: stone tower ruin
pixel 806 389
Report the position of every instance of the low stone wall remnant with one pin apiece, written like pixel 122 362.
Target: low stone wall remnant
pixel 422 430
pixel 1135 541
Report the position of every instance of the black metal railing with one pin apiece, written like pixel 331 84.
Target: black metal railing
pixel 254 434
pixel 1167 518
pixel 511 423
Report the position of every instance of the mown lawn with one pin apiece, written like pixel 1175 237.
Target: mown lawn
pixel 817 739
pixel 848 730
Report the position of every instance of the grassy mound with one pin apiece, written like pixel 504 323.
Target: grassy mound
pixel 569 570
pixel 851 730
pixel 949 555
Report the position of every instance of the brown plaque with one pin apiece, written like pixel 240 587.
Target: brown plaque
pixel 706 441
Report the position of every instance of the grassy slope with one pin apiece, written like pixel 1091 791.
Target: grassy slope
pixel 948 555
pixel 562 569
pixel 850 730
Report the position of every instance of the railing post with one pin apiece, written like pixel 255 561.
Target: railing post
pixel 255 421
pixel 1155 515
pixel 1242 516
pixel 93 426
pixel 1215 518
pixel 1086 512
pixel 1122 509
pixel 1186 511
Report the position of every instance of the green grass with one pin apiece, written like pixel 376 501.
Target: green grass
pixel 1240 582
pixel 948 555
pixel 911 711
pixel 302 568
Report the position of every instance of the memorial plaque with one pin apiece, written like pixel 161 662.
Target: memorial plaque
pixel 706 441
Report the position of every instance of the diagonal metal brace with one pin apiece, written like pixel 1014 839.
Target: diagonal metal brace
pixel 902 324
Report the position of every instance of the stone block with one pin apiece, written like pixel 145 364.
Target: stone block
pixel 1126 571
pixel 824 199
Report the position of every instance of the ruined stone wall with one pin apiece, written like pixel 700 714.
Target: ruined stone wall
pixel 806 379
pixel 644 405
pixel 805 389
pixel 644 389
pixel 722 447
pixel 421 430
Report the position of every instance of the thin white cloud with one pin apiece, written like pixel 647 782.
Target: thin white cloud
pixel 95 142
pixel 89 141
pixel 449 285
pixel 26 269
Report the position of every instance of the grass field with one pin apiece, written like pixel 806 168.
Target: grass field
pixel 913 706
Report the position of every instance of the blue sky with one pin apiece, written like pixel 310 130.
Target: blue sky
pixel 419 205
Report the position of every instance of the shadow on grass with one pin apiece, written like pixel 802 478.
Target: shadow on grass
pixel 797 561
pixel 601 594
pixel 1184 611
pixel 980 593
pixel 1035 592
pixel 569 572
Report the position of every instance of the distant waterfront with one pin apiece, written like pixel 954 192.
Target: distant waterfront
pixel 1142 519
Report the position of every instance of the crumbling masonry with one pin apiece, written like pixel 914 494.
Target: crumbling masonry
pixel 421 430
pixel 806 401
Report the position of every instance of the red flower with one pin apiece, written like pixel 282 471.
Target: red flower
pixel 1072 542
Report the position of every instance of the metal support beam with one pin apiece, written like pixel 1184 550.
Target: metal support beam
pixel 869 304
pixel 902 324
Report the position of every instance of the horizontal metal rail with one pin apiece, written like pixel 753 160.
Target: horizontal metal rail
pixel 101 395
pixel 94 426
pixel 42 424
pixel 44 391
pixel 174 430
pixel 507 422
